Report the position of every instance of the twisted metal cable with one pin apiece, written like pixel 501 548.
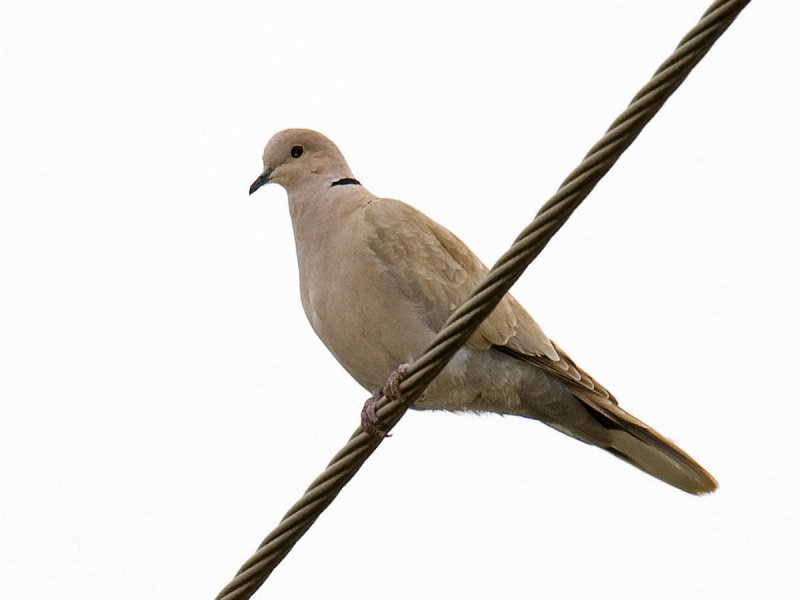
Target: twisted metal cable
pixel 485 297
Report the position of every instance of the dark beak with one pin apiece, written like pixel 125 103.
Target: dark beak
pixel 262 179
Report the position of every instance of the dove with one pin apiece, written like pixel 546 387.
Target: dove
pixel 378 279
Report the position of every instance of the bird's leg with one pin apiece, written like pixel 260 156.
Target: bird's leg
pixel 391 389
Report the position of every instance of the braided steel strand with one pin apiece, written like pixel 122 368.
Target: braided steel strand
pixel 553 214
pixel 574 189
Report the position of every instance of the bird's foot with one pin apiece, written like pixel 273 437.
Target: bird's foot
pixel 391 389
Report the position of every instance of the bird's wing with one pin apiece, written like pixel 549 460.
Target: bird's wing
pixel 565 370
pixel 437 271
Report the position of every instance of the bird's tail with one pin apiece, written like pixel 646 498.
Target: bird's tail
pixel 633 441
pixel 580 407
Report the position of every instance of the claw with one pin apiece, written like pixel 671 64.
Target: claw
pixel 391 389
pixel 369 418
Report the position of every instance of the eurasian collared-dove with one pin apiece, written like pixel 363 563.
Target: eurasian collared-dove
pixel 378 279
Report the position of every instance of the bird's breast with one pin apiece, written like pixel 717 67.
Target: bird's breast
pixel 352 303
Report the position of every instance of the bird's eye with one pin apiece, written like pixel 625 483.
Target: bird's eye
pixel 297 151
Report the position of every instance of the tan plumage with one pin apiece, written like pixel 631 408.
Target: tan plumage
pixel 434 265
pixel 378 279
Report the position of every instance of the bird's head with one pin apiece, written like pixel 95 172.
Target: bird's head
pixel 295 156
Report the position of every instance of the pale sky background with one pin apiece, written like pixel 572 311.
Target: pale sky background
pixel 163 400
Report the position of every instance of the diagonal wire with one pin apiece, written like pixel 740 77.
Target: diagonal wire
pixel 485 297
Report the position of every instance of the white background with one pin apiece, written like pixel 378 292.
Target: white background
pixel 163 400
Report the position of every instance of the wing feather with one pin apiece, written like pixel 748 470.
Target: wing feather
pixel 436 270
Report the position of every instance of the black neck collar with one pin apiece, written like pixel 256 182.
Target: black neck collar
pixel 346 181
